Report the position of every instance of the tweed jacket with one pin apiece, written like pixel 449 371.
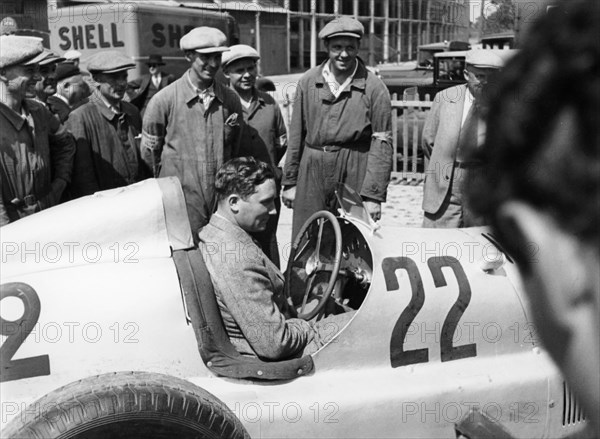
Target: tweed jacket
pixel 440 144
pixel 249 291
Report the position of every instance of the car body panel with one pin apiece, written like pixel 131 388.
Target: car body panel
pixel 100 315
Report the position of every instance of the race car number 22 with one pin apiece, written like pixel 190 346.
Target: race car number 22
pixel 16 332
pixel 399 356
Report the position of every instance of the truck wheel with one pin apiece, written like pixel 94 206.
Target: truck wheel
pixel 127 405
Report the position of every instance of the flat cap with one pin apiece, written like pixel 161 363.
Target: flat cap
pixel 16 49
pixel 66 70
pixel 204 40
pixel 239 51
pixel 342 27
pixel 109 61
pixel 50 58
pixel 484 59
pixel 72 54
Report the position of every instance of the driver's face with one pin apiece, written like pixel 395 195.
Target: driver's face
pixel 254 212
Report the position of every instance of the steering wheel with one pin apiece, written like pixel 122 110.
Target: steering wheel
pixel 313 263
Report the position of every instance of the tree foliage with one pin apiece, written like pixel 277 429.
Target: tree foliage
pixel 500 18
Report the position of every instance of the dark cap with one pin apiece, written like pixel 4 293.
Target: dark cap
pixel 155 60
pixel 66 70
pixel 342 27
pixel 109 61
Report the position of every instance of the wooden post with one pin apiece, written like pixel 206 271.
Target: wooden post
pixel 301 36
pixel 336 7
pixel 257 28
pixel 395 133
pixel 415 142
pixel 355 8
pixel 410 29
pixel 428 38
pixel 420 25
pixel 386 31
pixel 313 33
pixel 372 33
pixel 399 34
pixel 286 5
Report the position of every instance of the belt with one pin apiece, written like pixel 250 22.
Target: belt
pixel 325 148
pixel 335 148
pixel 28 200
pixel 468 165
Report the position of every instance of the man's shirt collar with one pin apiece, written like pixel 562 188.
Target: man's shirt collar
pixel 329 78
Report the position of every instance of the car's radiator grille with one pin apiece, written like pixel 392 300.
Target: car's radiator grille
pixel 572 412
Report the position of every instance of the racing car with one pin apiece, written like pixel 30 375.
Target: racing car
pixel 110 328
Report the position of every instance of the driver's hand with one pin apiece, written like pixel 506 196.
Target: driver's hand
pixel 288 196
pixel 374 209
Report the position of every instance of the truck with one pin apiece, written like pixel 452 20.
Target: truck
pixel 399 76
pixel 136 29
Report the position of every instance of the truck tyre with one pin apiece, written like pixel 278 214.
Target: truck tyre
pixel 127 405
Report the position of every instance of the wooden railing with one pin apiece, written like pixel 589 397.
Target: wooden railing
pixel 408 118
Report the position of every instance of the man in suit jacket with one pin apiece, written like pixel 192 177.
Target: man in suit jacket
pixel 452 132
pixel 249 288
pixel 141 90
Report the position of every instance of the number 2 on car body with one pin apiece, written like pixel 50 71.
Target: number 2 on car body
pixel 399 356
pixel 17 331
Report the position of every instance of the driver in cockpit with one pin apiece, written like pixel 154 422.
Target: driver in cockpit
pixel 249 288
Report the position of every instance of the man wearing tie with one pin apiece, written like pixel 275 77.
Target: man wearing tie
pixel 141 90
pixel 453 131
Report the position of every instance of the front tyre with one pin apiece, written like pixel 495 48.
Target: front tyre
pixel 132 405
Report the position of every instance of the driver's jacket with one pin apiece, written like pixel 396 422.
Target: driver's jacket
pixel 249 292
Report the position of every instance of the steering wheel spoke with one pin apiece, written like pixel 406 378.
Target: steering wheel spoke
pixel 313 265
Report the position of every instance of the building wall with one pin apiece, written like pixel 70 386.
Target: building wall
pixel 272 34
pixel 29 16
pixel 393 28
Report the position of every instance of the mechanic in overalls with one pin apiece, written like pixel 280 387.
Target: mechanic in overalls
pixel 340 130
pixel 265 135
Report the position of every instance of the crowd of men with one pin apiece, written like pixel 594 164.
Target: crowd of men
pixel 116 132
pixel 66 135
pixel 105 132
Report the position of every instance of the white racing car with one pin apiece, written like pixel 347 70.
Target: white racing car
pixel 110 329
